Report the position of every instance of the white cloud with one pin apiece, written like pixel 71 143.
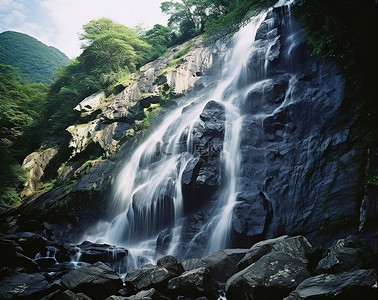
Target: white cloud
pixel 12 12
pixel 6 4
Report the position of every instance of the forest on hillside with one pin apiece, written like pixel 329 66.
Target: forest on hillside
pixel 34 62
pixel 112 52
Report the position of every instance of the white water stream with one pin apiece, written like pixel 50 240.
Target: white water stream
pixel 148 196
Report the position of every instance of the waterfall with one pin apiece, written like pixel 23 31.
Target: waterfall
pixel 151 211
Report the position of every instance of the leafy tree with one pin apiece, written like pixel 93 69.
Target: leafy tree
pixel 232 15
pixel 187 16
pixel 111 52
pixel 110 47
pixel 21 111
pixel 194 17
pixel 160 38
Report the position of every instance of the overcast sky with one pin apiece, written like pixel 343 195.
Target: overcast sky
pixel 58 22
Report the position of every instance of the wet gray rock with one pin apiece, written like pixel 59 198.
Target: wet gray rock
pixel 292 131
pixel 201 175
pixel 273 276
pixel 257 251
pixel 13 255
pixel 36 164
pixel 90 107
pixel 147 277
pixel 92 253
pixel 193 284
pixel 171 263
pixel 223 263
pixel 119 298
pixel 27 286
pixel 296 247
pixel 251 218
pixel 193 263
pixel 97 281
pixel 347 254
pixel 358 284
pixel 148 294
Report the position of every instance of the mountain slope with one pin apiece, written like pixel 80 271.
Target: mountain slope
pixel 35 61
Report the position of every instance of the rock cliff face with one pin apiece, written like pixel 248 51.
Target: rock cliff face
pixel 81 172
pixel 298 175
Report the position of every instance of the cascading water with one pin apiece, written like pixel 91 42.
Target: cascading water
pixel 148 192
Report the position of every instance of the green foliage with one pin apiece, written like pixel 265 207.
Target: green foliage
pixel 34 61
pixel 234 15
pixel 111 52
pixel 110 47
pixel 21 110
pixel 345 31
pixel 171 66
pixel 160 38
pixel 165 92
pixel 190 18
pixel 150 114
pixel 183 51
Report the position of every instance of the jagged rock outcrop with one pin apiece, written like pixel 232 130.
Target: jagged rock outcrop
pixel 90 107
pixel 201 175
pixel 35 164
pixel 346 255
pixel 106 120
pixel 92 253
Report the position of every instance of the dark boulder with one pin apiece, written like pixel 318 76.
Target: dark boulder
pixel 32 243
pixel 193 263
pixel 194 284
pixel 25 286
pixel 347 254
pixel 97 281
pixel 296 247
pixel 273 276
pixel 223 263
pixel 13 255
pixel 92 252
pixel 359 284
pixel 257 251
pixel 148 277
pixel 45 262
pixel 171 263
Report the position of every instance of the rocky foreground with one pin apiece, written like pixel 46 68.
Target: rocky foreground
pixel 287 268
